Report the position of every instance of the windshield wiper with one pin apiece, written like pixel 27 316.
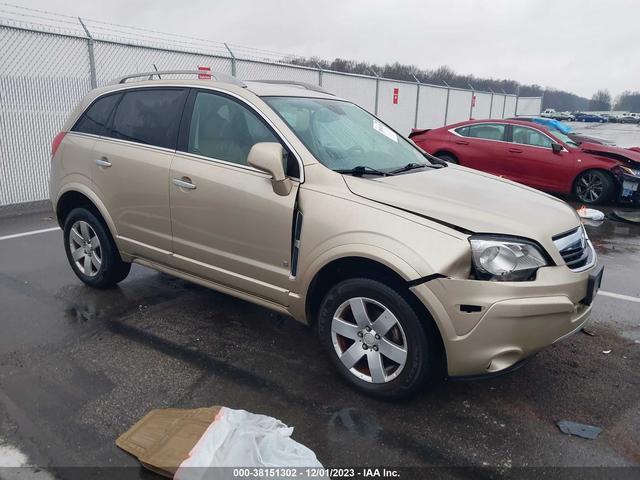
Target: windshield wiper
pixel 361 170
pixel 410 166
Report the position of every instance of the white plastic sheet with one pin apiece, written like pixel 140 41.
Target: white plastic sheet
pixel 237 439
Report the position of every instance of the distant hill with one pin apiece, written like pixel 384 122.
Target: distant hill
pixel 552 98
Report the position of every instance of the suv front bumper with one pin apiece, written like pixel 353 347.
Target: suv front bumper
pixel 488 327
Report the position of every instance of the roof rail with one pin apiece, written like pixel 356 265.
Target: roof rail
pixel 220 77
pixel 305 85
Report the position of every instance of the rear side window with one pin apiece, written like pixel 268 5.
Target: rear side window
pixel 488 131
pixel 149 116
pixel 94 120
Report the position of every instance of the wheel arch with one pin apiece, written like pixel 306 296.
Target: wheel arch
pixel 346 267
pixel 74 196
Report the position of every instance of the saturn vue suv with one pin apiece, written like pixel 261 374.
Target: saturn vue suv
pixel 287 196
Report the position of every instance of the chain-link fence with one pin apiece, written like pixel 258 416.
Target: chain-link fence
pixel 49 61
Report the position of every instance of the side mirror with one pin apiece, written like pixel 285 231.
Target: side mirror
pixel 268 157
pixel 556 147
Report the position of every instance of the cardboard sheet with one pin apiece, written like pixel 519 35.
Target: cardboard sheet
pixel 163 438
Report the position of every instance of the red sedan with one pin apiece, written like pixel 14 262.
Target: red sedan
pixel 538 157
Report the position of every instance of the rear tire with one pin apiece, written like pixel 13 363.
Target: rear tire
pixel 91 251
pixel 594 187
pixel 447 158
pixel 376 339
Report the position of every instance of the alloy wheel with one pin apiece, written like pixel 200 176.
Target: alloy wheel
pixel 85 248
pixel 369 340
pixel 589 187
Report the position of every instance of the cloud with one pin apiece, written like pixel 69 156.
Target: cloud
pixel 576 45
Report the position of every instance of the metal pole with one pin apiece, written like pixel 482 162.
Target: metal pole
pixel 319 74
pixel 375 111
pixel 504 102
pixel 517 98
pixel 491 104
pixel 415 120
pixel 473 94
pixel 446 108
pixel 92 59
pixel 233 61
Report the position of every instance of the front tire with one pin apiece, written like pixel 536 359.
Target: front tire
pixel 594 187
pixel 376 339
pixel 91 251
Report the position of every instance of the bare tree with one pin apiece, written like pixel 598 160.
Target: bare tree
pixel 601 100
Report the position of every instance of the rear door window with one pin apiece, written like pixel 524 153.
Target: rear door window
pixel 95 119
pixel 150 116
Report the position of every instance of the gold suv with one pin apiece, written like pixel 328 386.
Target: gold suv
pixel 286 196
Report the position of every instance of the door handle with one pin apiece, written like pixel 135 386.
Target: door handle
pixel 184 182
pixel 103 162
pixel 462 142
pixel 515 150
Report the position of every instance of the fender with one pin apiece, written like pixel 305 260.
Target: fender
pixel 82 188
pixel 370 252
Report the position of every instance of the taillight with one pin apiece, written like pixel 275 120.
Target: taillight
pixel 57 140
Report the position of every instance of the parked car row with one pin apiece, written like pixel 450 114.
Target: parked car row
pixel 590 117
pixel 546 157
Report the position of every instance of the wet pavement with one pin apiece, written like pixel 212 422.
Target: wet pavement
pixel 622 134
pixel 80 366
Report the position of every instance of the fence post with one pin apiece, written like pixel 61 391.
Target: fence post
pixel 504 102
pixel 233 60
pixel 375 109
pixel 473 94
pixel 491 104
pixel 415 120
pixel 92 59
pixel 517 98
pixel 319 74
pixel 446 107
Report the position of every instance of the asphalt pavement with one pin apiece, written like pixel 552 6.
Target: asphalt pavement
pixel 79 366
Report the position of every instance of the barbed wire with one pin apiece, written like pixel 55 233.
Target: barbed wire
pixel 52 22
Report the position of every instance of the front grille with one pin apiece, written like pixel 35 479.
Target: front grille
pixel 575 249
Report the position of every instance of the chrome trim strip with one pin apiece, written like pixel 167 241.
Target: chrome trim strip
pixel 564 242
pixel 594 259
pixel 577 239
pixel 453 131
pixel 224 163
pixel 252 107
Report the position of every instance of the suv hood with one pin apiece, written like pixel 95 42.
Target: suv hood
pixel 617 153
pixel 471 201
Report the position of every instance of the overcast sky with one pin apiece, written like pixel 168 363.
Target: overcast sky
pixel 575 45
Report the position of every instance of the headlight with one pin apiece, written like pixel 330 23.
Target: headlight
pixel 631 171
pixel 504 259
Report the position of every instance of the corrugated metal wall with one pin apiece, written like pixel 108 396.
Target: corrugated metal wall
pixel 44 74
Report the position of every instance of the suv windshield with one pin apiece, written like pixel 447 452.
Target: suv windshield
pixel 343 136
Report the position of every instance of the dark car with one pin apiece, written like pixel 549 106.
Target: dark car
pixel 531 154
pixel 589 117
pixel 628 119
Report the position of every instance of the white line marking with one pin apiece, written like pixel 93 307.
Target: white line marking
pixel 45 230
pixel 619 297
pixel 26 234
